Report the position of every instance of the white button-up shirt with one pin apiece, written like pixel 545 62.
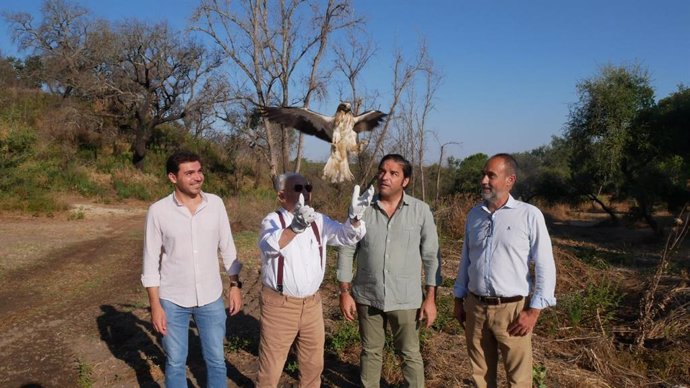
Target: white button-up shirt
pixel 181 250
pixel 303 268
pixel 498 249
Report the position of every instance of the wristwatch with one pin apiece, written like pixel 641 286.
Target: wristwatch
pixel 237 284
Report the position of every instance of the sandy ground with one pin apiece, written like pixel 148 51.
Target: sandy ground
pixel 73 312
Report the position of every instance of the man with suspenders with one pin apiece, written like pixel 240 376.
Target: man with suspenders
pixel 293 251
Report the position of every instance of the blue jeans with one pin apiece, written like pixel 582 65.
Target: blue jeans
pixel 210 320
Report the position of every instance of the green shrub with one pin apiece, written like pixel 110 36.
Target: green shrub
pixel 85 380
pixel 597 302
pixel 345 335
pixel 539 376
pixel 445 321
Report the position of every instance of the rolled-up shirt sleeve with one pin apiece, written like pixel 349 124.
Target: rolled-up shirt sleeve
pixel 153 250
pixel 346 255
pixel 226 246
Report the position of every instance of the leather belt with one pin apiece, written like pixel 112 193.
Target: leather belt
pixel 496 300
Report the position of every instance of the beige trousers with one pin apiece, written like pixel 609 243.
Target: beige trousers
pixel 285 320
pixel 486 334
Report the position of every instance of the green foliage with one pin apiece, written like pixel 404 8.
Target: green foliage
pixel 291 366
pixel 344 335
pixel 597 303
pixel 236 343
pixel 467 172
pixel 625 145
pixel 77 214
pixel 445 321
pixel 539 376
pixel 137 190
pixel 16 147
pixel 658 163
pixel 600 123
pixel 544 172
pixel 84 378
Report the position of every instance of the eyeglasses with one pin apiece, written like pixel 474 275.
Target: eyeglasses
pixel 299 188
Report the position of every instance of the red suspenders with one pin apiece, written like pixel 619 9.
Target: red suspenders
pixel 281 259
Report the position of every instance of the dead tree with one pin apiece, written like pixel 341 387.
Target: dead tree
pixel 270 46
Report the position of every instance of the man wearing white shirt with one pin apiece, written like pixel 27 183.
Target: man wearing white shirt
pixel 293 244
pixel 185 233
pixel 503 236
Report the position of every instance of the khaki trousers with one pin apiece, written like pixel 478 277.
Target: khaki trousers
pixel 486 334
pixel 285 319
pixel 372 330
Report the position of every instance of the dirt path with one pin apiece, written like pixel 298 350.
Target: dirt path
pixel 73 312
pixel 49 295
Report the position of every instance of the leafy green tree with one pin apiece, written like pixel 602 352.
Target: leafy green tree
pixel 467 172
pixel 657 158
pixel 599 128
pixel 544 172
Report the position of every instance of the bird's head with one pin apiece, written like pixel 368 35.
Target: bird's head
pixel 344 107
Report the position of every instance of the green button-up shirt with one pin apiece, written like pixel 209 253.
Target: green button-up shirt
pixel 391 255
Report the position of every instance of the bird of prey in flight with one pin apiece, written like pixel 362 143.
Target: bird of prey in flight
pixel 339 130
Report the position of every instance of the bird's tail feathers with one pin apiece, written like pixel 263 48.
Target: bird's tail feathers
pixel 337 171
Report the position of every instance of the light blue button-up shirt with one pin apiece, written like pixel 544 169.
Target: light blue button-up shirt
pixel 497 252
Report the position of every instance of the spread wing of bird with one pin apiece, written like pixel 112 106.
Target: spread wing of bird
pixel 301 119
pixel 368 120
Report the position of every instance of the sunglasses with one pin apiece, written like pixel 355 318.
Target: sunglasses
pixel 299 188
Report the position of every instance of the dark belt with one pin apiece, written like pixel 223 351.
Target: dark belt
pixel 496 300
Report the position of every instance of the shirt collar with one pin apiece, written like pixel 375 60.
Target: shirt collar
pixel 403 202
pixel 511 203
pixel 178 203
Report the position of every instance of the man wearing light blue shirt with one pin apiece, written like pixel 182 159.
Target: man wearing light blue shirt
pixel 503 237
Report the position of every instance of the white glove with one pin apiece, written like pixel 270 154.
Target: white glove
pixel 304 215
pixel 360 202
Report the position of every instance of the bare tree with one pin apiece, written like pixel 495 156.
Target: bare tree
pixel 336 16
pixel 271 46
pixel 410 129
pixel 65 41
pixel 403 75
pixel 432 80
pixel 438 171
pixel 159 77
pixel 351 59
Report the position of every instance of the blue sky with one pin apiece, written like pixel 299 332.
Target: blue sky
pixel 510 67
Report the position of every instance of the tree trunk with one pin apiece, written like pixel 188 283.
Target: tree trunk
pixel 300 152
pixel 139 148
pixel 605 208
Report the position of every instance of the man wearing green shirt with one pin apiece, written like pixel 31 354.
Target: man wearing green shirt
pixel 401 239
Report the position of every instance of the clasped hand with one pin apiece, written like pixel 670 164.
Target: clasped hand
pixel 304 215
pixel 360 202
